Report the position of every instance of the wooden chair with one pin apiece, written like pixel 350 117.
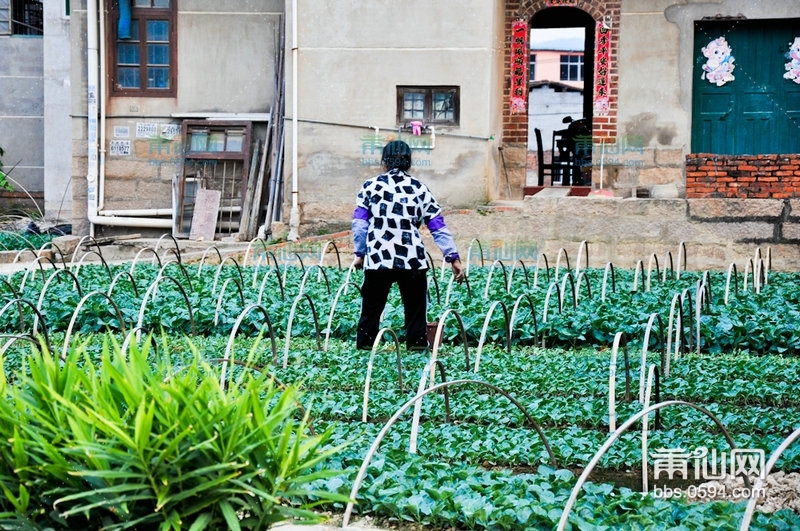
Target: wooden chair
pixel 543 168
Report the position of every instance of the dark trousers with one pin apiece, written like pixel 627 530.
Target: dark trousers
pixel 413 286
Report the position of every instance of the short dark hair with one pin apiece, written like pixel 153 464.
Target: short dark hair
pixel 396 154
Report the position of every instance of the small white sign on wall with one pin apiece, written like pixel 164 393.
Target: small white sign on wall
pixel 122 131
pixel 119 148
pixel 146 130
pixel 170 130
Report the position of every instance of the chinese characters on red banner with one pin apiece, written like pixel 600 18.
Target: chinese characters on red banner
pixel 519 66
pixel 601 64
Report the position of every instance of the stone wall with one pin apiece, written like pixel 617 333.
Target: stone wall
pixel 715 232
pixel 743 176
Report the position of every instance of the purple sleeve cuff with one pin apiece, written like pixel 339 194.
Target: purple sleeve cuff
pixel 361 213
pixel 436 223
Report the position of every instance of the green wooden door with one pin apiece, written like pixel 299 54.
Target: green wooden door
pixel 756 112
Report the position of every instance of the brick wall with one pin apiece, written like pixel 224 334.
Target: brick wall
pixel 743 176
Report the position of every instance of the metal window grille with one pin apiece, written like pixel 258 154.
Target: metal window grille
pixel 27 17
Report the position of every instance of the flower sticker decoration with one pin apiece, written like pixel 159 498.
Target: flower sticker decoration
pixel 793 66
pixel 719 66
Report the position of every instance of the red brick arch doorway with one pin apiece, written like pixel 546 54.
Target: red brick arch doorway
pixel 599 101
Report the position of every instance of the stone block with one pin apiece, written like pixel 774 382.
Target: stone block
pixel 128 168
pixel 670 157
pixel 734 232
pixel 711 256
pixel 657 176
pixel 624 178
pixel 581 207
pixel 794 208
pixel 661 209
pixel 67 244
pixel 515 157
pixel 157 192
pixel 555 191
pixel 735 208
pixel 664 191
pixel 791 231
pixel 609 228
pixel 123 190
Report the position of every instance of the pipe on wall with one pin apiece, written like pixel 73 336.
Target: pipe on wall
pixel 294 214
pixel 101 180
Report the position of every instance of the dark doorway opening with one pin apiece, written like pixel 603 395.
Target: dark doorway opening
pixel 562 42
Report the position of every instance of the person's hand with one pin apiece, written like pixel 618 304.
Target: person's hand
pixel 458 271
pixel 358 262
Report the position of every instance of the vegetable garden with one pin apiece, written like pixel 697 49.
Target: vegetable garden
pixel 227 392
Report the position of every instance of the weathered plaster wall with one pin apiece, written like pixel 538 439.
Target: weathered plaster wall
pixel 347 98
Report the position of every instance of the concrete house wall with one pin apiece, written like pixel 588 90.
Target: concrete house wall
pixel 351 60
pixel 225 59
pixel 22 114
pixel 35 108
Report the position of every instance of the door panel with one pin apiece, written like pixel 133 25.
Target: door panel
pixel 758 111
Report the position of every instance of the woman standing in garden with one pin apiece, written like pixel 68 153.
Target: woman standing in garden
pixel 389 211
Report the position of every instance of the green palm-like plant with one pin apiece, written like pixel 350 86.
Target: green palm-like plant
pixel 136 443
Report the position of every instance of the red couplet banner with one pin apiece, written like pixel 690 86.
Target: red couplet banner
pixel 519 66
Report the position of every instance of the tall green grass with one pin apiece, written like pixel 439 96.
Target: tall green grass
pixel 135 442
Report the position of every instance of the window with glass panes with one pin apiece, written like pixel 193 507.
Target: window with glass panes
pixel 572 68
pixel 145 47
pixel 21 17
pixel 429 105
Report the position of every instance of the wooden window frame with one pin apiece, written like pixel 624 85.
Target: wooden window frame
pixel 428 91
pixel 194 159
pixel 143 14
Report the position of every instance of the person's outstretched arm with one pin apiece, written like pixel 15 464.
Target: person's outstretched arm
pixel 360 226
pixel 443 239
